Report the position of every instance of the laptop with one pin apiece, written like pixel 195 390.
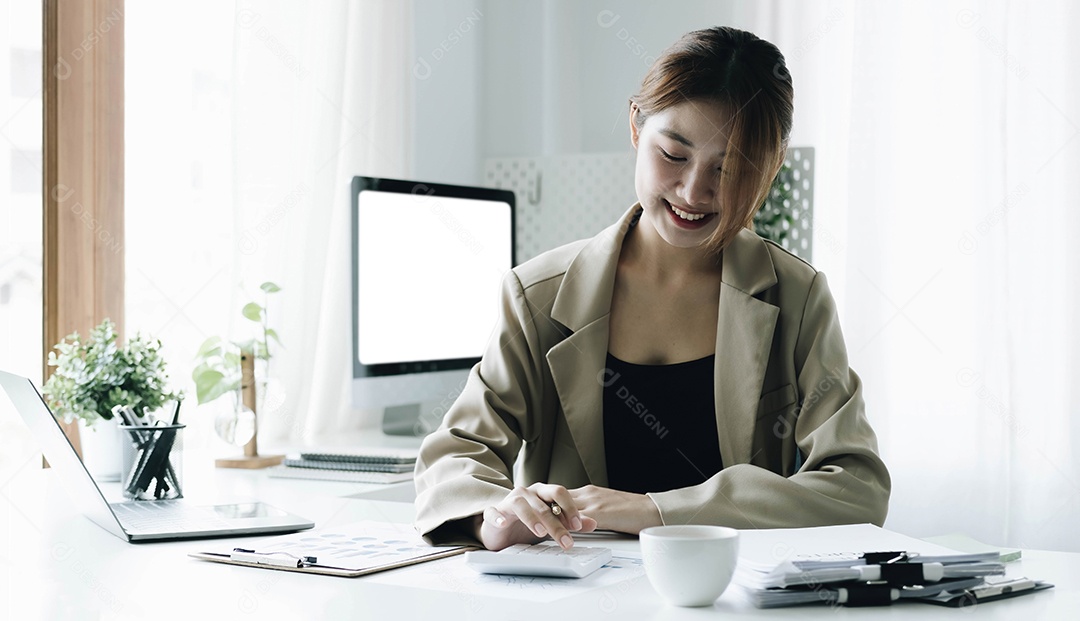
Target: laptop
pixel 142 520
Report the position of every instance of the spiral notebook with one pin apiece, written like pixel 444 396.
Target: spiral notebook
pixel 370 465
pixel 347 476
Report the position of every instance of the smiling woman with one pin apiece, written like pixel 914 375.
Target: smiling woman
pixel 739 98
pixel 676 368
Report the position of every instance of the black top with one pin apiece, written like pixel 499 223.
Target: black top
pixel 660 425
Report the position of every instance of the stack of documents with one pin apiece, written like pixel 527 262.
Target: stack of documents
pixel 363 466
pixel 855 565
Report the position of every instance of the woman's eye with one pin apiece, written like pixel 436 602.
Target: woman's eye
pixel 671 158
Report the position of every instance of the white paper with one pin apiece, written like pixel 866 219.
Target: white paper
pixel 766 556
pixel 766 549
pixel 356 546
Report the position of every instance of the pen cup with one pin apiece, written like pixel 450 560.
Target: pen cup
pixel 152 461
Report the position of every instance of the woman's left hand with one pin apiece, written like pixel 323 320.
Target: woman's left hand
pixel 625 512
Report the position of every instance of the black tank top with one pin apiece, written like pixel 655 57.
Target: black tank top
pixel 660 425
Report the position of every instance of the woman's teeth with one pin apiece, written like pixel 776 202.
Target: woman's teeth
pixel 686 215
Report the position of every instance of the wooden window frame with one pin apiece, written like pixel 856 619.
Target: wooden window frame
pixel 83 160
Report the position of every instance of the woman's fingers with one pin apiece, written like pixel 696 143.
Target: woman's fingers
pixel 588 524
pixel 495 517
pixel 537 515
pixel 532 506
pixel 560 502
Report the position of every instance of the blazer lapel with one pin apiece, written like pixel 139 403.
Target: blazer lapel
pixel 577 366
pixel 744 333
pixel 583 305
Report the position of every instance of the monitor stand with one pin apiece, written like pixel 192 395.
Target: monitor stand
pixel 405 420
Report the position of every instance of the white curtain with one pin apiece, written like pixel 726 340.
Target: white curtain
pixel 320 95
pixel 947 151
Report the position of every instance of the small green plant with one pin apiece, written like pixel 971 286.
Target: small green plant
pixel 774 219
pixel 93 375
pixel 217 370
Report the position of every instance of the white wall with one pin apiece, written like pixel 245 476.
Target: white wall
pixel 447 86
pixel 517 77
pixel 580 70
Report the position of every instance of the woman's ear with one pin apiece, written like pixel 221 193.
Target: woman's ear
pixel 634 111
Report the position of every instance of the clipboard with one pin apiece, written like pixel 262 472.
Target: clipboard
pixel 989 592
pixel 349 551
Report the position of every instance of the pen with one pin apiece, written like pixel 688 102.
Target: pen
pixel 1001 588
pixel 251 556
pixel 276 559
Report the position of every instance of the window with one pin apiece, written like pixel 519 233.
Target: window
pixel 179 247
pixel 25 72
pixel 20 220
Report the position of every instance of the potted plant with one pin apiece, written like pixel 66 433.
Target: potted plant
pixel 92 376
pixel 228 368
pixel 217 370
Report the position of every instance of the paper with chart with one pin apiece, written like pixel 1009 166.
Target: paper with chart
pixel 352 550
pixel 453 575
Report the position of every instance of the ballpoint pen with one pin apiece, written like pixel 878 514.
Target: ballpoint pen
pixel 276 559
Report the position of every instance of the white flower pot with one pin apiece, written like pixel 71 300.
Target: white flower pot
pixel 101 449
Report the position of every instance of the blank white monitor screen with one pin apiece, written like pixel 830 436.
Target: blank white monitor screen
pixel 428 273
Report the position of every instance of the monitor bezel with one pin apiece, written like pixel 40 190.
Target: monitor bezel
pixel 402 186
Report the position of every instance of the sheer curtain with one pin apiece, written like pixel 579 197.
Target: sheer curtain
pixel 319 96
pixel 945 217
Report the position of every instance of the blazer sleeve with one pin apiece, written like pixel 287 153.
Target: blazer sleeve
pixel 466 464
pixel 842 479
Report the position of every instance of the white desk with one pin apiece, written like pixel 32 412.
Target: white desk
pixel 55 564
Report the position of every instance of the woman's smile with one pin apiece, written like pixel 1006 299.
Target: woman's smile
pixel 690 220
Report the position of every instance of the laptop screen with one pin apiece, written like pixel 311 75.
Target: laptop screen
pixel 59 452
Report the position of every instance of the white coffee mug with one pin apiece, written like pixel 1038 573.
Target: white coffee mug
pixel 690 565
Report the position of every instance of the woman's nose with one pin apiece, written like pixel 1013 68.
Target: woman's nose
pixel 698 186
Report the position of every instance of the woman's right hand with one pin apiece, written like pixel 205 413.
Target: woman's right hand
pixel 525 516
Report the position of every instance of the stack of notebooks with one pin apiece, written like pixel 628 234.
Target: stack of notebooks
pixel 363 466
pixel 863 565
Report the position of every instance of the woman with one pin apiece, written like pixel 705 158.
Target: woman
pixel 676 368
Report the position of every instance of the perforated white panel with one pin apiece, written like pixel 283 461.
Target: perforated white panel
pixel 796 181
pixel 569 197
pixel 564 198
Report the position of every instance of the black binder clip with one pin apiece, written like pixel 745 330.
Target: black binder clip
pixel 886 558
pixel 869 594
pixel 897 570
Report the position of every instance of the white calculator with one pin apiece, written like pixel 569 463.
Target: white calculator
pixel 541 559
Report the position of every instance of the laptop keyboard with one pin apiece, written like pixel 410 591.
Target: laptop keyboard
pixel 167 516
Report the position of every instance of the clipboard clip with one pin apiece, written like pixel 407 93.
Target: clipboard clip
pixel 275 559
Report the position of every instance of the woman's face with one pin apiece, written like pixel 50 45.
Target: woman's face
pixel 680 152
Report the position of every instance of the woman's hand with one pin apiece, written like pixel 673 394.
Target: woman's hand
pixel 525 516
pixel 625 512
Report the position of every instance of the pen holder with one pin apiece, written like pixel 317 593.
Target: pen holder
pixel 152 461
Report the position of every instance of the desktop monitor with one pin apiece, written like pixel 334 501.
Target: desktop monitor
pixel 427 264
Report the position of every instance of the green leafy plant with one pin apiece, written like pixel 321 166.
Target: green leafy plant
pixel 774 220
pixel 217 370
pixel 94 374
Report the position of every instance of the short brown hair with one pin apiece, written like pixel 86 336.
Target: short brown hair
pixel 747 76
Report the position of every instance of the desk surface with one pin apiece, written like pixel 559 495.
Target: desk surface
pixel 55 564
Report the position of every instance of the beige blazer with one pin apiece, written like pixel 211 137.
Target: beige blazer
pixel 796 445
